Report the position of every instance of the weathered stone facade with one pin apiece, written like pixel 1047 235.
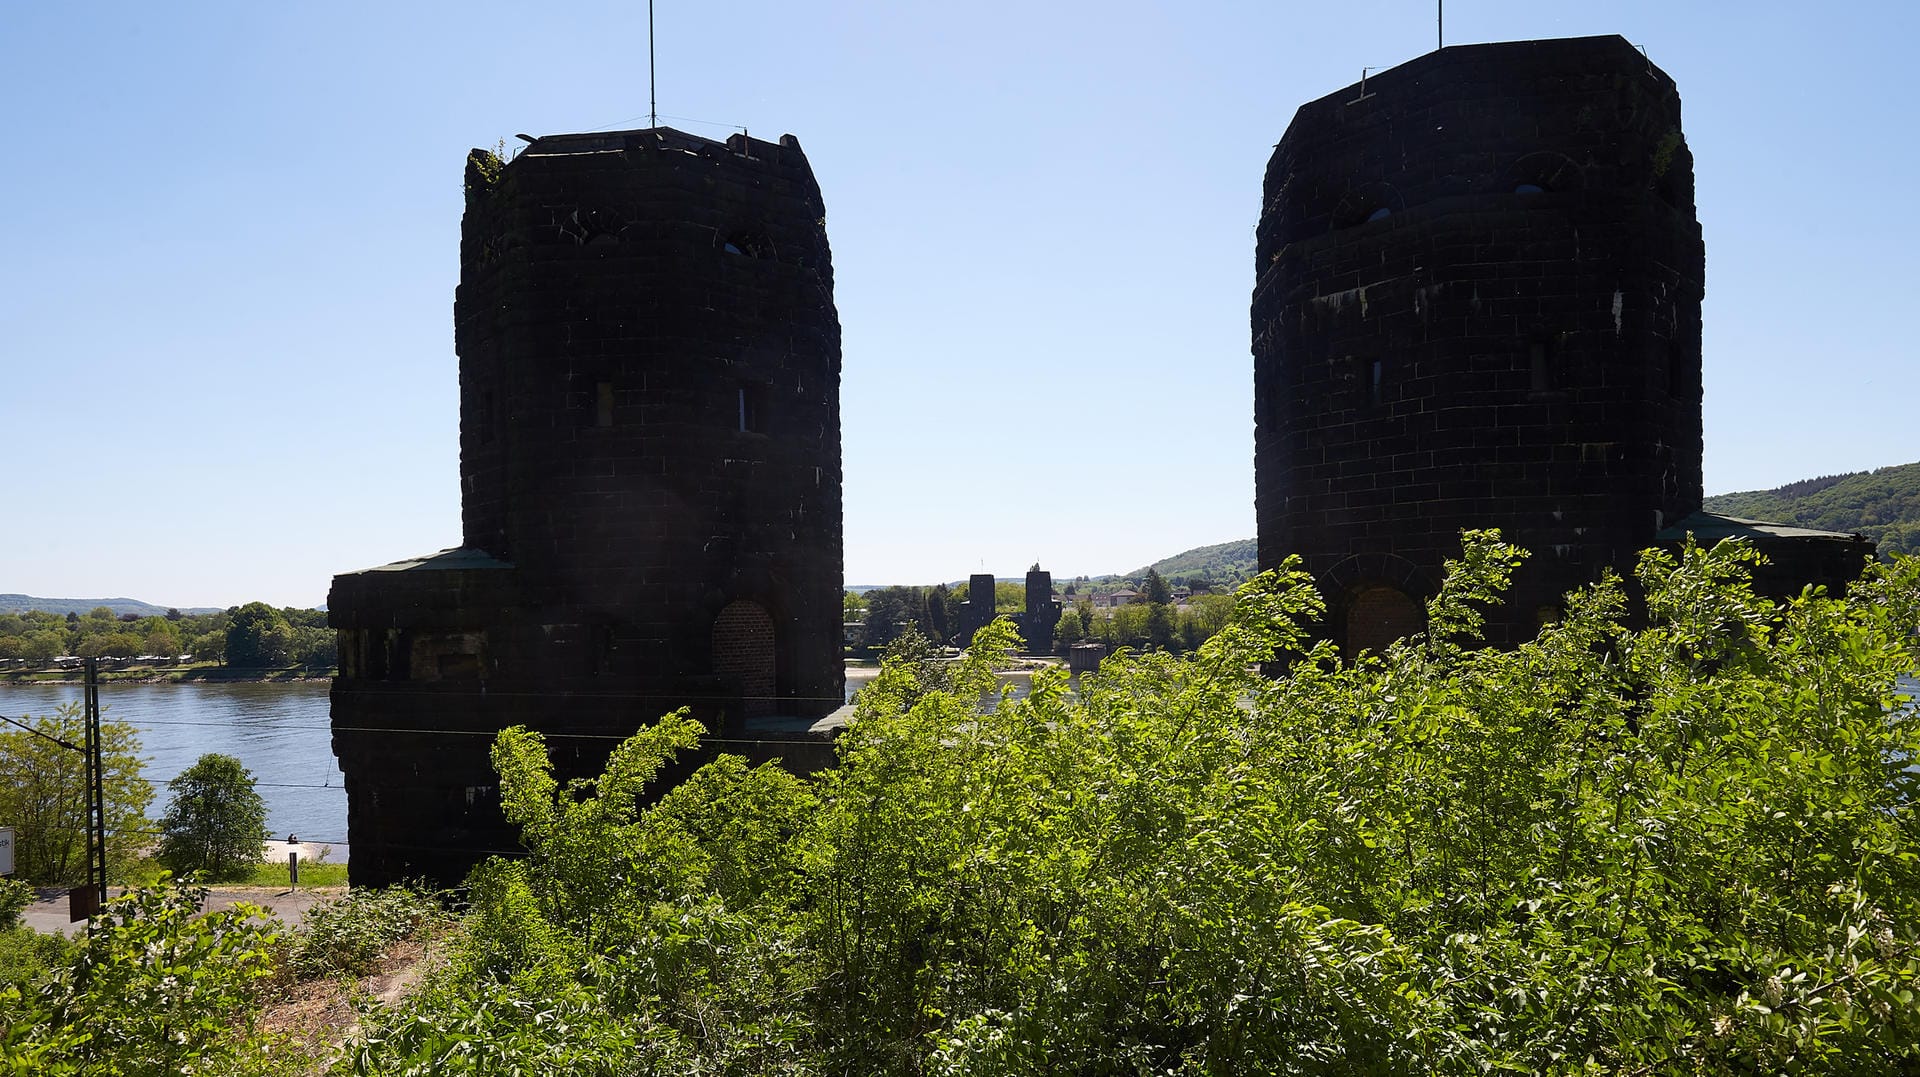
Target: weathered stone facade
pixel 1477 305
pixel 1043 612
pixel 976 612
pixel 651 489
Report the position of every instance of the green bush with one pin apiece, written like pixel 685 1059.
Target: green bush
pixel 349 935
pixel 156 987
pixel 15 896
pixel 25 954
pixel 1677 837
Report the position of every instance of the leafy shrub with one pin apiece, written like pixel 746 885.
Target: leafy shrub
pixel 25 954
pixel 1671 839
pixel 156 987
pixel 15 896
pixel 350 935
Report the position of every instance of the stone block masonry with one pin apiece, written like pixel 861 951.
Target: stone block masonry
pixel 650 479
pixel 1477 304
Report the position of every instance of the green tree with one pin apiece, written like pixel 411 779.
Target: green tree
pixel 257 636
pixel 209 647
pixel 1009 598
pixel 43 646
pixel 1204 616
pixel 110 645
pixel 215 820
pixel 1156 589
pixel 43 795
pixel 852 606
pixel 1070 629
pixel 942 622
pixel 1161 626
pixel 315 648
pixel 164 644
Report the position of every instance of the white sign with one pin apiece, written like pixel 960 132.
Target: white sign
pixel 6 850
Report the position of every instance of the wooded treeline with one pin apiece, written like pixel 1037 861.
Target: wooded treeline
pixel 1883 504
pixel 255 635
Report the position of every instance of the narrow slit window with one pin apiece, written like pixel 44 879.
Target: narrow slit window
pixel 603 404
pixel 1375 386
pixel 752 417
pixel 1540 364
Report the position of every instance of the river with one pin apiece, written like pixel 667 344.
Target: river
pixel 279 731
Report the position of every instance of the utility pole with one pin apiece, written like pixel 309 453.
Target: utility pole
pixel 83 903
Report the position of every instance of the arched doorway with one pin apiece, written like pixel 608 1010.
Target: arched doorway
pixel 743 654
pixel 1377 615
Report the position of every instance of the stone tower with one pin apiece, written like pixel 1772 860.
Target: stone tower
pixel 650 477
pixel 1477 304
pixel 1043 612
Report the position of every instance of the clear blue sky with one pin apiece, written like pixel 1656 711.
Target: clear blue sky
pixel 231 247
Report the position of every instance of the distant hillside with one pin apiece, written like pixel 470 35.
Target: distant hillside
pixel 1883 504
pixel 1226 562
pixel 63 606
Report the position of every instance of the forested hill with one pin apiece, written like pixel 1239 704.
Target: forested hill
pixel 1883 505
pixel 81 606
pixel 1234 560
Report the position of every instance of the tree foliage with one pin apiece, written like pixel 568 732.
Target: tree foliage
pixel 1673 837
pixel 157 987
pixel 258 635
pixel 43 795
pixel 215 820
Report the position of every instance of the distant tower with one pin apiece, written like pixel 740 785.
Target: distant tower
pixel 1477 305
pixel 977 611
pixel 1043 611
pixel 650 478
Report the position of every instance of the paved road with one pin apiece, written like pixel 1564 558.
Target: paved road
pixel 49 914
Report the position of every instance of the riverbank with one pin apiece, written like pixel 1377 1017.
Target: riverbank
pixel 122 672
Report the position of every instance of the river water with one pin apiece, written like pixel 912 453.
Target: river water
pixel 279 731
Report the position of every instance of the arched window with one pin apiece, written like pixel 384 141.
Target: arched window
pixel 743 655
pixel 1377 615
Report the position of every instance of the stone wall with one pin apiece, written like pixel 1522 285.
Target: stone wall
pixel 1478 305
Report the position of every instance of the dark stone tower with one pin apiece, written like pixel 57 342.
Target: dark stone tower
pixel 1043 611
pixel 650 478
pixel 976 612
pixel 1477 305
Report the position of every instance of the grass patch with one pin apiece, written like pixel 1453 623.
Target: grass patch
pixel 311 874
pixel 272 873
